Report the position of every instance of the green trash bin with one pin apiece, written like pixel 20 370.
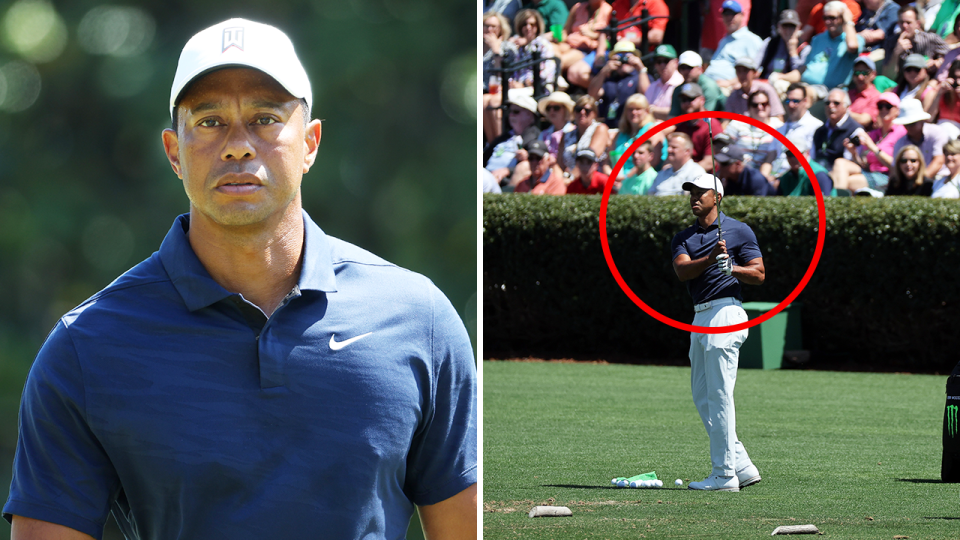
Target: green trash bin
pixel 767 341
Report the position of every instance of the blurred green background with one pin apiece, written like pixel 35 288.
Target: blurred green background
pixel 86 192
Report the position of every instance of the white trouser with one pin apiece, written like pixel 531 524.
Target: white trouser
pixel 713 374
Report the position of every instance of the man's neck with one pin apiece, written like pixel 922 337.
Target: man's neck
pixel 707 220
pixel 262 262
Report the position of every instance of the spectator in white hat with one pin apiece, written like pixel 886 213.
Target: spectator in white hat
pixel 690 67
pixel 502 156
pixel 929 138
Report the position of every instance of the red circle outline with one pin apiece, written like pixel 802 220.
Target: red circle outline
pixel 821 232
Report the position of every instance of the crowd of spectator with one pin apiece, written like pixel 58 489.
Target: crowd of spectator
pixel 868 91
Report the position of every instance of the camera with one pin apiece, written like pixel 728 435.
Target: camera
pixel 855 140
pixel 623 57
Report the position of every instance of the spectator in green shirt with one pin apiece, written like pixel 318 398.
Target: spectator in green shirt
pixel 796 182
pixel 555 14
pixel 639 182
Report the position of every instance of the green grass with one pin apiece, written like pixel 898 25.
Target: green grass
pixel 856 454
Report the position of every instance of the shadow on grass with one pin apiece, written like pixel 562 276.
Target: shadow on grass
pixel 574 486
pixel 921 480
pixel 941 518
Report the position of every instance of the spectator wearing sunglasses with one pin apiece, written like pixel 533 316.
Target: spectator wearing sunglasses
pixel 761 147
pixel 914 82
pixel 800 124
pixel 590 133
pixel 871 156
pixel 863 94
pixel 908 174
pixel 660 92
pixel 828 138
pixel 830 56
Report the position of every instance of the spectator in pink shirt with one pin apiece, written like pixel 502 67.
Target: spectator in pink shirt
pixel 660 92
pixel 874 153
pixel 863 94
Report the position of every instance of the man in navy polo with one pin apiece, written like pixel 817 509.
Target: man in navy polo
pixel 254 378
pixel 740 179
pixel 713 269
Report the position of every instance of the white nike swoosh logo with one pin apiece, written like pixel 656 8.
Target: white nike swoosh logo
pixel 337 345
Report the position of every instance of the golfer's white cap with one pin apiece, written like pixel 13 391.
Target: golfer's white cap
pixel 705 181
pixel 241 43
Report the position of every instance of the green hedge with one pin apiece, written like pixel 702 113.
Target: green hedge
pixel 886 292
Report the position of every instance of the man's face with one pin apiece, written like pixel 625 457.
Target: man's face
pixel 796 104
pixel 677 152
pixel 538 166
pixel 690 74
pixel 241 147
pixel 908 23
pixel 786 30
pixel 730 170
pixel 642 156
pixel 862 76
pixel 794 163
pixel 836 106
pixel 915 130
pixel 745 76
pixel 689 105
pixel 665 66
pixel 833 20
pixel 702 201
pixel 731 20
pixel 587 167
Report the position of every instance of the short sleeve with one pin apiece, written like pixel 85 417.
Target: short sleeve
pixel 749 249
pixel 443 457
pixel 678 246
pixel 61 473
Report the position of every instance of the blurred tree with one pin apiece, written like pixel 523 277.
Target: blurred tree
pixel 86 192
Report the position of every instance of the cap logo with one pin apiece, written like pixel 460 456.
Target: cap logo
pixel 232 37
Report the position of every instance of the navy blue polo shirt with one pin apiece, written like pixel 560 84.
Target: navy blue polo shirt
pixel 698 243
pixel 750 182
pixel 183 409
pixel 616 90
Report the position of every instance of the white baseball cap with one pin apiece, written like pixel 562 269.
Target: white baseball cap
pixel 705 181
pixel 690 58
pixel 239 42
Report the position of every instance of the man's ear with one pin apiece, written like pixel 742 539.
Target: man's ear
pixel 311 142
pixel 171 147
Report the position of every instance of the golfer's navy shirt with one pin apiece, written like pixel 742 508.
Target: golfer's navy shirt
pixel 698 243
pixel 190 414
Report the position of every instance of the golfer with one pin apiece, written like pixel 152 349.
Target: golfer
pixel 713 270
pixel 254 378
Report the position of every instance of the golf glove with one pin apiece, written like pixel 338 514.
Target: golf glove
pixel 725 264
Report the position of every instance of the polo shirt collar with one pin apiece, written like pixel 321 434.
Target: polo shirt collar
pixel 696 222
pixel 199 290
